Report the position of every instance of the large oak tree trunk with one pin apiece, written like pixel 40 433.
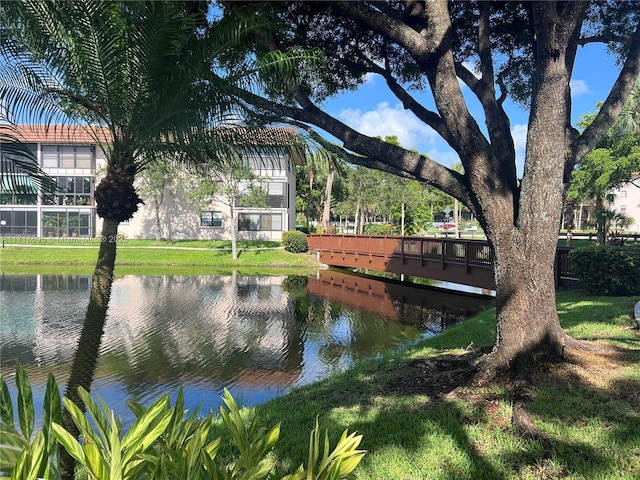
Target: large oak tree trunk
pixel 525 287
pixel 524 235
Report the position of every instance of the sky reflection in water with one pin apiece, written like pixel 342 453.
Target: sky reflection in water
pixel 256 336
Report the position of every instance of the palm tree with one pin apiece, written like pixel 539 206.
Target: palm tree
pixel 628 121
pixel 133 75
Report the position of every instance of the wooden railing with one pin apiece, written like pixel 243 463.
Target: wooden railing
pixel 469 262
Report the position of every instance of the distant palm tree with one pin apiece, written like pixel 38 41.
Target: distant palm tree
pixel 628 121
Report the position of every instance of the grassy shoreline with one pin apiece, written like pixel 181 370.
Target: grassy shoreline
pixel 589 408
pixel 197 257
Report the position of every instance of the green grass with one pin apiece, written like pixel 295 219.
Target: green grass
pixel 591 412
pixel 151 256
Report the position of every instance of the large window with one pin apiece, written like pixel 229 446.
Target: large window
pixel 15 187
pixel 20 223
pixel 260 222
pixel 66 224
pixel 73 191
pixel 211 219
pixel 65 156
pixel 277 194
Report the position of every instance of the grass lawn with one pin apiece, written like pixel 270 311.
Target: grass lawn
pixel 150 257
pixel 415 428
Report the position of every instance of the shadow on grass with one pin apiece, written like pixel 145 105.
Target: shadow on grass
pixel 463 431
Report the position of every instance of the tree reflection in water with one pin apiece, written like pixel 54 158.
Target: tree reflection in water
pixel 257 336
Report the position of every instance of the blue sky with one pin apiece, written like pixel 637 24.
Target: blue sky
pixel 372 110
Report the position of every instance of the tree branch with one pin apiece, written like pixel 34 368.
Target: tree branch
pixel 410 103
pixel 612 106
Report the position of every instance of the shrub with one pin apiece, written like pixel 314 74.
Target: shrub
pixel 164 442
pixel 606 270
pixel 379 229
pixel 295 241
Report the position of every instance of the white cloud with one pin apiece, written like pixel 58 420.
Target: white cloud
pixel 386 120
pixel 519 134
pixel 579 88
pixel 369 78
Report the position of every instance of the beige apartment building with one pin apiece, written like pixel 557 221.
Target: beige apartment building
pixel 71 156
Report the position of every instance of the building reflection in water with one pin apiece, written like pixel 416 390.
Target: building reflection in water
pixel 255 335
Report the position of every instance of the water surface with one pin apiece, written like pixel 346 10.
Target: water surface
pixel 257 336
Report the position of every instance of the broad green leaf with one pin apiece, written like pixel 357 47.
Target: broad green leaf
pixel 139 428
pixel 268 441
pixel 157 430
pixel 257 472
pixel 26 413
pixel 11 438
pixel 36 457
pixel 95 462
pixel 115 447
pixel 136 408
pixel 6 406
pixel 69 443
pixel 80 420
pixel 52 411
pixel 18 471
pixel 8 458
pixel 102 430
pixel 212 448
pixel 349 464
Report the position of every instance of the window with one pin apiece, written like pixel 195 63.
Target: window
pixel 622 194
pixel 65 156
pixel 269 163
pixel 211 219
pixel 73 191
pixel 66 224
pixel 20 223
pixel 254 222
pixel 277 194
pixel 623 208
pixel 18 190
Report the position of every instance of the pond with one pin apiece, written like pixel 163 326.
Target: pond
pixel 257 336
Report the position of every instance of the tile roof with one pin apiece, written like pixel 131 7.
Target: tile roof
pixel 57 133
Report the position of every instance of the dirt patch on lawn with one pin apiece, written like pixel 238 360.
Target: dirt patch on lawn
pixel 447 376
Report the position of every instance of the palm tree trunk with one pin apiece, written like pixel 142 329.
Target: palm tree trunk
pixel 86 355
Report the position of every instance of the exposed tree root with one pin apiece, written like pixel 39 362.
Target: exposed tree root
pixel 571 343
pixel 467 376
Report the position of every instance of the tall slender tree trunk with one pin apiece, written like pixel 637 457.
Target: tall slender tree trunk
pixel 234 233
pixel 356 219
pixel 326 212
pixel 157 204
pixel 601 222
pixel 309 198
pixel 86 355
